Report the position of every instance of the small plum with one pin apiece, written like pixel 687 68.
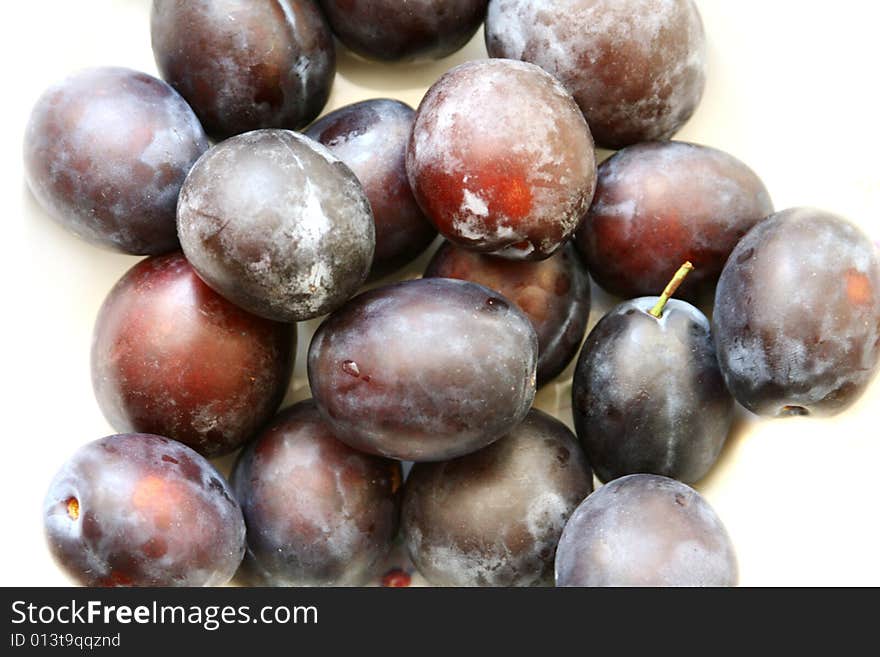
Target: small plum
pixel 647 394
pixel 245 64
pixel 272 221
pixel 637 68
pixel 371 138
pixel 388 30
pixel 661 203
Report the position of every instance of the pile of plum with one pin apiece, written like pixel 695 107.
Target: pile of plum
pixel 193 348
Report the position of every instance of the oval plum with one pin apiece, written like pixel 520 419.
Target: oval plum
pixel 660 204
pixel 275 223
pixel 645 530
pixel 494 517
pixel 424 370
pixel 371 138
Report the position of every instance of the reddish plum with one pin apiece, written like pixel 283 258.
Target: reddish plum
pixel 170 356
pixel 501 159
pixel 659 204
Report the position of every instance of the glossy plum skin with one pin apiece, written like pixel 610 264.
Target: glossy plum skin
pixel 637 68
pixel 660 204
pixel 797 315
pixel 275 223
pixel 318 513
pixel 647 394
pixel 645 530
pixel 420 29
pixel 245 65
pixel 170 356
pixel 371 137
pixel 424 370
pixel 143 510
pixel 105 153
pixel 494 176
pixel 553 293
pixel 494 517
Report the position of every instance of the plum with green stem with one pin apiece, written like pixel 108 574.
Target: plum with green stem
pixel 647 394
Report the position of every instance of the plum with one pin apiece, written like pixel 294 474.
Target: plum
pixel 172 357
pixel 424 370
pixel 647 394
pixel 645 530
pixel 275 223
pixel 143 510
pixel 637 68
pixel 494 517
pixel 388 30
pixel 797 315
pixel 501 159
pixel 371 138
pixel 658 204
pixel 318 513
pixel 245 65
pixel 553 293
pixel 106 152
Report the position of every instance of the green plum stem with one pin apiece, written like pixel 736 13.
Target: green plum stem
pixel 677 280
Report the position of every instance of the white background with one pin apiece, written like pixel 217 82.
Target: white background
pixel 792 91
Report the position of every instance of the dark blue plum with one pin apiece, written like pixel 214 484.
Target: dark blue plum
pixel 647 394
